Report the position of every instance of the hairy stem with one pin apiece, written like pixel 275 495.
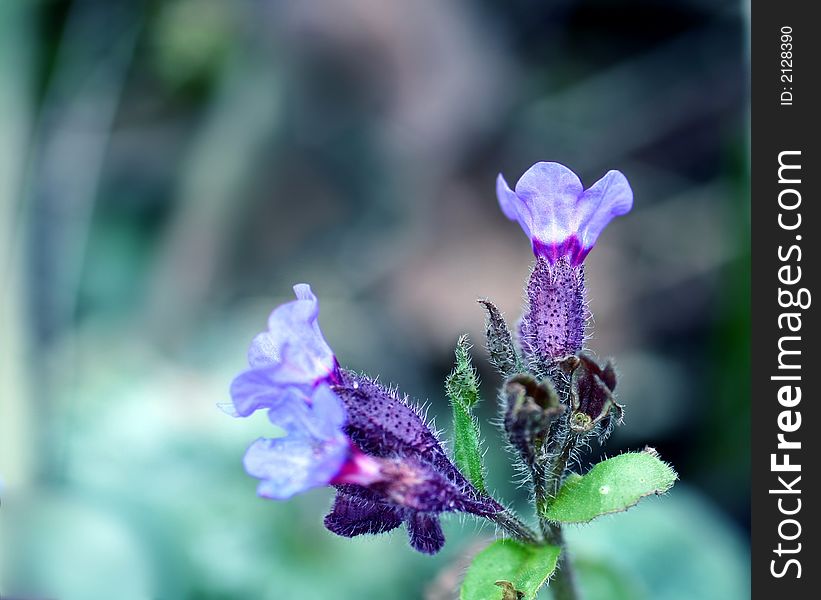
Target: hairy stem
pixel 557 467
pixel 563 583
pixel 511 524
pixel 537 474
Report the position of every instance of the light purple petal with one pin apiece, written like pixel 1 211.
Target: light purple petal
pixel 293 326
pixel 258 388
pixel 610 197
pixel 511 205
pixel 313 451
pixel 290 465
pixel 317 413
pixel 270 387
pixel 550 190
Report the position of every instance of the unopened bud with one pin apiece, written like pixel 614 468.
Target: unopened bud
pixel 500 346
pixel 592 399
pixel 530 408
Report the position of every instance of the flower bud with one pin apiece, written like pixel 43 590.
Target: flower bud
pixel 530 408
pixel 592 398
pixel 500 346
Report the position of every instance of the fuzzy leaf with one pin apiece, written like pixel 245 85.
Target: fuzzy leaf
pixel 509 565
pixel 613 485
pixel 462 387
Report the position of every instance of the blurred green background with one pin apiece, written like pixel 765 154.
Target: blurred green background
pixel 168 169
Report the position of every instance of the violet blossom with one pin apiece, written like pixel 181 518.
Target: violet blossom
pixel 559 216
pixel 563 222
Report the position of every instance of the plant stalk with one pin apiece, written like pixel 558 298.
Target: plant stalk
pixel 510 523
pixel 563 583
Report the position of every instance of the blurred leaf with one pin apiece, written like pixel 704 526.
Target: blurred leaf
pixel 679 549
pixel 504 562
pixel 191 40
pixel 603 581
pixel 462 388
pixel 613 485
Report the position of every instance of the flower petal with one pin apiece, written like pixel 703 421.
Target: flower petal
pixel 267 386
pixel 258 388
pixel 294 339
pixel 294 464
pixel 610 197
pixel 511 205
pixel 328 412
pixel 315 413
pixel 312 453
pixel 550 191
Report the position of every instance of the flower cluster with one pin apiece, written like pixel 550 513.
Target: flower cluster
pixel 345 430
pixel 348 431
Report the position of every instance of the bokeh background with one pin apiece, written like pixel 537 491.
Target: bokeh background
pixel 168 169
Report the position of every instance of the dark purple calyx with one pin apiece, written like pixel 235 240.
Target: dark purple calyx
pixel 530 407
pixel 592 396
pixel 383 424
pixel 380 422
pixel 425 533
pixel 500 346
pixel 354 515
pixel 361 511
pixel 417 481
pixel 553 325
pixel 418 485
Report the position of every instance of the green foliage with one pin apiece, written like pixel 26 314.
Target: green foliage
pixel 613 485
pixel 679 549
pixel 463 383
pixel 506 567
pixel 462 388
pixel 601 580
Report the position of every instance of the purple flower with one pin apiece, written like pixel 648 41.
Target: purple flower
pixel 559 216
pixel 563 221
pixel 346 430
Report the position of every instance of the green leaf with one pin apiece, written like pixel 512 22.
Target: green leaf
pixel 462 387
pixel 613 485
pixel 515 566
